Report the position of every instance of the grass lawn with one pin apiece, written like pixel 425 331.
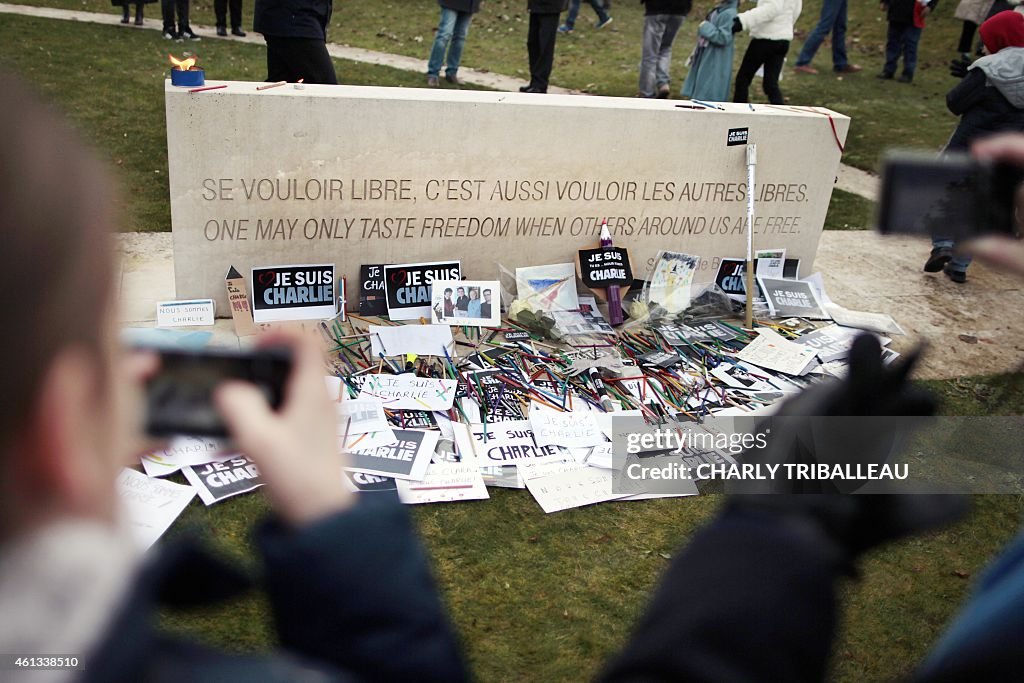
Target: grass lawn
pixel 541 597
pixel 606 62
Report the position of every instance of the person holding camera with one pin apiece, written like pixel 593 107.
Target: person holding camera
pixel 347 580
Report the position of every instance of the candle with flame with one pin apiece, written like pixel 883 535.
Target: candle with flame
pixel 185 73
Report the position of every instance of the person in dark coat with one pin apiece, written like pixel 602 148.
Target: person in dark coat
pixel 456 16
pixel 990 99
pixel 540 42
pixel 348 584
pixel 123 4
pixel 296 35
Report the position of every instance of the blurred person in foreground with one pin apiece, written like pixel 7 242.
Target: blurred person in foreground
pixel 754 595
pixel 347 581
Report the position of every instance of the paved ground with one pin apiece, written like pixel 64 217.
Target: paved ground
pixel 971 329
pixel 850 179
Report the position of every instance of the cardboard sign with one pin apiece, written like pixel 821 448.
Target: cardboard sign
pixel 732 276
pixel 737 136
pixel 573 429
pixel 302 292
pixel 407 287
pixel 185 313
pixel 792 299
pixel 466 302
pixel 371 290
pixel 603 268
pixel 405 459
pixel 409 392
pixel 217 481
pixel 238 300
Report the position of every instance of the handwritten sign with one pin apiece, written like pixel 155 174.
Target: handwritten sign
pixel 303 292
pixel 184 313
pixel 444 482
pixel 423 340
pixel 573 429
pixel 150 506
pixel 408 392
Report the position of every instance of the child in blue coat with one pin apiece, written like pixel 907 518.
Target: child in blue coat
pixel 711 60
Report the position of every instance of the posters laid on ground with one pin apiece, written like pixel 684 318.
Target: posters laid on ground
pixel 361 415
pixel 571 429
pixel 466 302
pixel 405 459
pixel 576 486
pixel 444 482
pixel 770 350
pixel 791 299
pixel 510 443
pixel 369 483
pixel 831 342
pixel 407 287
pixel 299 292
pixel 217 481
pixel 548 288
pixel 586 320
pixel 182 451
pixel 149 506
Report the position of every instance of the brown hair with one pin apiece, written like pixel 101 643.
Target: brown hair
pixel 56 256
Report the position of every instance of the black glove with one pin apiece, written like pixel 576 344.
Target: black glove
pixel 737 25
pixel 958 67
pixel 852 422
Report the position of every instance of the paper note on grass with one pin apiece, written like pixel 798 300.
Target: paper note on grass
pixel 573 429
pixel 149 506
pixel 444 482
pixel 408 392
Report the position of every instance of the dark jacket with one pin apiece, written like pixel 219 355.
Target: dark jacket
pixel 667 6
pixel 293 18
pixel 547 6
pixel 472 6
pixel 990 99
pixel 352 598
pixel 902 11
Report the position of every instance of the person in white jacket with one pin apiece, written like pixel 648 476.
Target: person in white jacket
pixel 771 29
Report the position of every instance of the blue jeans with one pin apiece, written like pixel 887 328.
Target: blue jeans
pixel 574 11
pixel 902 39
pixel 450 38
pixel 659 32
pixel 833 20
pixel 959 261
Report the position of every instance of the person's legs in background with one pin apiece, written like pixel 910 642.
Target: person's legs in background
pixel 289 59
pixel 773 62
pixel 672 24
pixel 944 257
pixel 654 29
pixel 462 22
pixel 167 12
pixel 911 37
pixel 442 39
pixel 840 61
pixel 547 30
pixel 602 14
pixel 570 18
pixel 826 22
pixel 753 58
pixel 893 48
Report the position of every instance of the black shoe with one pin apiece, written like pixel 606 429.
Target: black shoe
pixel 238 32
pixel 957 276
pixel 532 89
pixel 222 31
pixel 906 78
pixel 188 34
pixel 525 88
pixel 885 76
pixel 124 17
pixel 938 259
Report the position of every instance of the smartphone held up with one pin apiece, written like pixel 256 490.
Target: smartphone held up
pixel 179 396
pixel 949 196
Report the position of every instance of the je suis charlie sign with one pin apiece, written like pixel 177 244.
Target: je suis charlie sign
pixel 407 287
pixel 303 292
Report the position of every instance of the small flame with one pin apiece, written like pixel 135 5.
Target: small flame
pixel 182 64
